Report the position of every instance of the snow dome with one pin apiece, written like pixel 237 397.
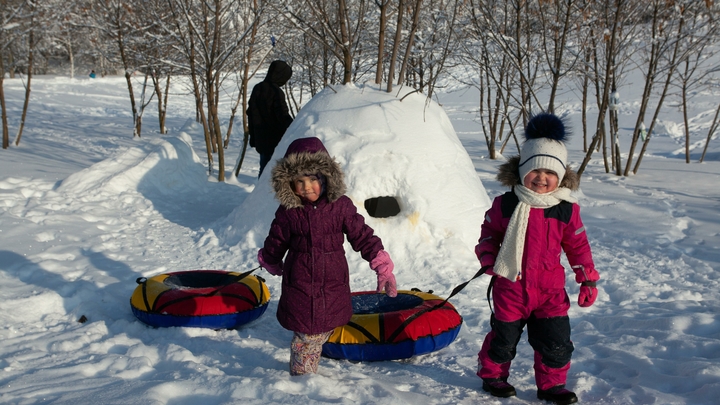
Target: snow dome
pixel 405 170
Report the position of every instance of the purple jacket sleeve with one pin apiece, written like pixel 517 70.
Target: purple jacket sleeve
pixel 362 237
pixel 278 239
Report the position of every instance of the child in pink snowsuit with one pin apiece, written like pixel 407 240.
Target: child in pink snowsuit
pixel 523 235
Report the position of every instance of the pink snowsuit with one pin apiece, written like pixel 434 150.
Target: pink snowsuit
pixel 538 299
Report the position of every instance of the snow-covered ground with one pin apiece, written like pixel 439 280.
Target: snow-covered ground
pixel 85 209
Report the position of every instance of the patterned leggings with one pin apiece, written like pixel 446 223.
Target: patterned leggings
pixel 305 352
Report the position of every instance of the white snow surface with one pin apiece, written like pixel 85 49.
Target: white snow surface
pixel 85 210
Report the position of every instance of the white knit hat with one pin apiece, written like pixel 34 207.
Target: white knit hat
pixel 544 147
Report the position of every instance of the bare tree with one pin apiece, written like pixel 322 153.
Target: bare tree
pixel 31 42
pixel 336 26
pixel 556 20
pixel 435 44
pixel 696 64
pixel 11 27
pixel 253 20
pixel 67 30
pixel 154 55
pixel 118 22
pixel 410 41
pixel 609 55
pixel 489 71
pixel 209 37
pixel 501 40
pixel 678 27
pixel 660 60
pixel 510 27
pixel 396 44
pixel 382 6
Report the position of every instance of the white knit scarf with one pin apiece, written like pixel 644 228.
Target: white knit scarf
pixel 509 258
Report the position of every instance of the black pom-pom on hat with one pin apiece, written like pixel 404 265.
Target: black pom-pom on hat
pixel 546 125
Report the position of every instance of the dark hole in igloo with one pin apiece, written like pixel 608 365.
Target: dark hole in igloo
pixel 382 207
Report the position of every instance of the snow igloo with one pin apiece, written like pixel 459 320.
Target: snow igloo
pixel 405 170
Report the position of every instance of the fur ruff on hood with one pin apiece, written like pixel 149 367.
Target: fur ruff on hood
pixel 299 164
pixel 509 175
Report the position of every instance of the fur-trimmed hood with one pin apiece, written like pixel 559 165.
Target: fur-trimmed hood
pixel 509 175
pixel 306 156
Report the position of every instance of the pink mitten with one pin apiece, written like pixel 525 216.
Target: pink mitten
pixel 383 266
pixel 274 269
pixel 588 293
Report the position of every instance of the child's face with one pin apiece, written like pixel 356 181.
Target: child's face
pixel 307 187
pixel 541 181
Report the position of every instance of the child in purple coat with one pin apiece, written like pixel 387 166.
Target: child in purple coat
pixel 310 225
pixel 523 235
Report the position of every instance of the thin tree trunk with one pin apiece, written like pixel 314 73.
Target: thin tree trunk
pixel 604 147
pixel 713 128
pixel 685 109
pixel 645 101
pixel 5 130
pixel 603 105
pixel 133 106
pixel 518 55
pixel 163 129
pixel 246 134
pixel 614 127
pixel 31 44
pixel 396 46
pixel 231 121
pixel 198 105
pixel 558 52
pixel 72 58
pixel 411 42
pixel 660 103
pixel 128 80
pixel 244 91
pixel 383 5
pixel 345 36
pixel 161 96
pixel 585 86
pixel 143 103
pixel 215 124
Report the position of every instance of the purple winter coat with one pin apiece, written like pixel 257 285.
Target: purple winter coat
pixel 315 295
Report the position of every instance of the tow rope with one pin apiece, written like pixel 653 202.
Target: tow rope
pixel 460 287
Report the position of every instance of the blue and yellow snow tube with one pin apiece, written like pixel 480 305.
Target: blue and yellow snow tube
pixel 213 299
pixel 384 328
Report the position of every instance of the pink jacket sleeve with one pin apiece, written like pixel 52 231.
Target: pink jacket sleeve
pixel 577 249
pixel 492 233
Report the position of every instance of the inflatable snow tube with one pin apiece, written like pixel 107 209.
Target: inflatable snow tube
pixel 384 328
pixel 212 299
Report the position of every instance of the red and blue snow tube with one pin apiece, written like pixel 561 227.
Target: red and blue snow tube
pixel 214 299
pixel 384 328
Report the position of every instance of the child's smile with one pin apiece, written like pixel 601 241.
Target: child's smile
pixel 541 181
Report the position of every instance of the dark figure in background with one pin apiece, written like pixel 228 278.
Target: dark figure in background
pixel 268 115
